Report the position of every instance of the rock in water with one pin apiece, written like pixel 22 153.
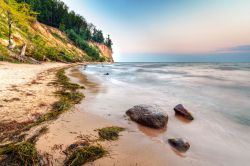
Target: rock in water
pixel 180 110
pixel 148 116
pixel 179 144
pixel 106 74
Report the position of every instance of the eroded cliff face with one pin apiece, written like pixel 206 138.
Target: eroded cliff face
pixel 105 51
pixel 53 38
pixel 57 38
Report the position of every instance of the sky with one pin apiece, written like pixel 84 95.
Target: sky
pixel 172 30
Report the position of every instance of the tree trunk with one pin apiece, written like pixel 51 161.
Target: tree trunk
pixel 9 16
pixel 23 51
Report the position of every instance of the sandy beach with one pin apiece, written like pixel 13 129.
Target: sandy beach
pixel 80 124
pixel 26 91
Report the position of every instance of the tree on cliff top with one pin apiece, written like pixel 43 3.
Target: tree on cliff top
pixel 108 42
pixel 56 13
pixel 19 13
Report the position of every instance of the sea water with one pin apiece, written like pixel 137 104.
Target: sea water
pixel 217 94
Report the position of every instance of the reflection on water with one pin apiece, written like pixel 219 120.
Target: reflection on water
pixel 217 94
pixel 151 132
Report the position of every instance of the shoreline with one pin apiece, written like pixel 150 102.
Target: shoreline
pixel 42 80
pixel 79 124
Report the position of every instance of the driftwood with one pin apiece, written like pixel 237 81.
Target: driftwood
pixel 23 50
pixel 32 60
pixel 23 58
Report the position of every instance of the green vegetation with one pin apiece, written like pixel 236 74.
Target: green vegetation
pixel 40 51
pixel 68 97
pixel 85 154
pixel 108 42
pixel 56 14
pixel 75 97
pixel 110 133
pixel 59 37
pixel 16 26
pixel 64 81
pixel 80 42
pixel 35 137
pixel 17 13
pixel 23 154
pixel 82 152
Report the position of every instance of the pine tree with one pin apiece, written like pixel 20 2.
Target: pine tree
pixel 108 42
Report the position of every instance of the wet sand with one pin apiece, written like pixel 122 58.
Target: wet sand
pixel 214 138
pixel 105 105
pixel 136 146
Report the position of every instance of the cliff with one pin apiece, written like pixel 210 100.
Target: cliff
pixel 105 51
pixel 44 43
pixel 52 38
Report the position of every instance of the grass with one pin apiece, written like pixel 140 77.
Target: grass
pixel 23 154
pixel 85 154
pixel 59 37
pixel 110 133
pixel 5 55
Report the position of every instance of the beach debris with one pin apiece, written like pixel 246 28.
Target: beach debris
pixel 106 74
pixel 71 148
pixel 149 116
pixel 179 144
pixel 23 153
pixel 83 154
pixel 110 133
pixel 181 111
pixel 33 139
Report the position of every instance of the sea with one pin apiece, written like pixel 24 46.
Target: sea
pixel 217 95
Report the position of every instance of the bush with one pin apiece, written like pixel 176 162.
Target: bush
pixel 3 52
pixel 52 54
pixel 59 37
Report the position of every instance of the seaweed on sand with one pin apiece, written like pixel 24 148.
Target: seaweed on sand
pixel 85 154
pixel 110 133
pixel 23 154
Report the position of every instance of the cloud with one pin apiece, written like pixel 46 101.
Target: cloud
pixel 237 49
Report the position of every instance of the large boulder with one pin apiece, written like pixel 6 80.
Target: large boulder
pixel 148 116
pixel 180 110
pixel 179 144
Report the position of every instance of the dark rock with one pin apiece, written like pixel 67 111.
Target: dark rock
pixel 106 74
pixel 179 144
pixel 180 110
pixel 148 116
